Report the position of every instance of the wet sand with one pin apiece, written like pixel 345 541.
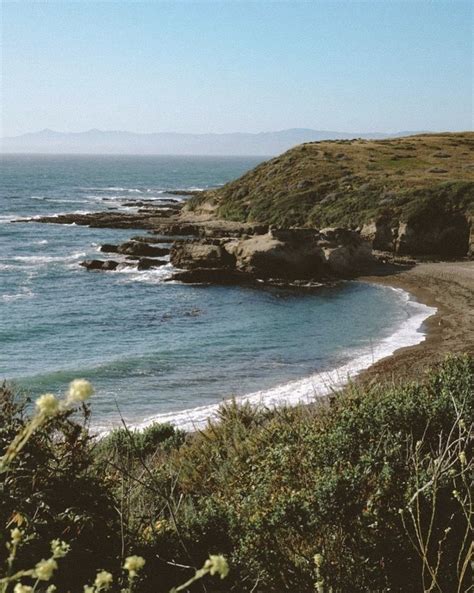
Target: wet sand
pixel 448 286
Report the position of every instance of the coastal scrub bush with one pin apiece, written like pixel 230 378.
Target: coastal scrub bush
pixel 49 488
pixel 123 442
pixel 369 492
pixel 17 572
pixel 376 486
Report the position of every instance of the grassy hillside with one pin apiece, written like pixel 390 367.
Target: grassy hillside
pixel 350 182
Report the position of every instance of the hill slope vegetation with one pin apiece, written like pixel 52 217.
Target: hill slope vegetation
pixel 412 194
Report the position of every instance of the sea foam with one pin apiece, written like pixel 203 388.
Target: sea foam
pixel 306 390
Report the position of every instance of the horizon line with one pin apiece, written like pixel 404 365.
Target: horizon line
pixel 299 129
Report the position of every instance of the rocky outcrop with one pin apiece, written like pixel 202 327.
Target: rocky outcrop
pixel 446 236
pixel 108 265
pixel 146 263
pixel 200 255
pixel 108 248
pixel 140 248
pixel 345 252
pixel 381 232
pixel 285 254
pixel 100 264
pixel 437 234
pixel 266 256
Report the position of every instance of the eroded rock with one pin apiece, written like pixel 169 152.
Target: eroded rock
pixel 200 255
pixel 140 248
pixel 100 264
pixel 146 263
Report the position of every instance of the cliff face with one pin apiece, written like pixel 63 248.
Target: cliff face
pixel 412 195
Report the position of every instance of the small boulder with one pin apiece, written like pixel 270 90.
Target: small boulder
pixel 145 263
pixel 99 264
pixel 140 248
pixel 108 248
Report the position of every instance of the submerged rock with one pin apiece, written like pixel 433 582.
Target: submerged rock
pixel 99 264
pixel 109 248
pixel 213 276
pixel 145 263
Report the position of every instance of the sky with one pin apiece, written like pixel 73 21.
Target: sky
pixel 228 66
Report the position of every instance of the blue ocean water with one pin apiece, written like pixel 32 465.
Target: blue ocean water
pixel 156 350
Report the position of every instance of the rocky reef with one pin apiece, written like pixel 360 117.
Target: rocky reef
pixel 279 256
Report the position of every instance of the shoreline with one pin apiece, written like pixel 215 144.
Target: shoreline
pixel 304 391
pixel 447 286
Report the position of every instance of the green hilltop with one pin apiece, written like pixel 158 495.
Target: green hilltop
pixel 352 182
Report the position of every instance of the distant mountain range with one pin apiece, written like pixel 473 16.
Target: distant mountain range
pixel 119 142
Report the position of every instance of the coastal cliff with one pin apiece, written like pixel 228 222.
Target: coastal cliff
pixel 412 196
pixel 315 213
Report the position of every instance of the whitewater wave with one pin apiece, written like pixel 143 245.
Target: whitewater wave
pixel 132 190
pixel 152 276
pixel 60 200
pixel 24 293
pixel 306 390
pixel 46 259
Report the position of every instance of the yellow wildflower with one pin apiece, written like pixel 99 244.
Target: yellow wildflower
pixel 59 548
pixel 19 588
pixel 16 535
pixel 79 391
pixel 45 568
pixel 47 404
pixel 103 580
pixel 133 564
pixel 217 564
pixel 318 560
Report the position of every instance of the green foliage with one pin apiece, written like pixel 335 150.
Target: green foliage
pixel 123 442
pixel 368 492
pixel 348 184
pixel 272 489
pixel 51 491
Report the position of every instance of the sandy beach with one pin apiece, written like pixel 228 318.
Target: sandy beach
pixel 448 286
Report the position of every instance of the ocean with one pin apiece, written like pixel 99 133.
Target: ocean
pixel 160 351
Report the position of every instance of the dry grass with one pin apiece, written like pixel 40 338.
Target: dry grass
pixel 348 181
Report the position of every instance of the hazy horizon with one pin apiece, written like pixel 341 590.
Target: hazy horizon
pixel 94 142
pixel 225 132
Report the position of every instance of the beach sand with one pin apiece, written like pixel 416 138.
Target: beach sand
pixel 448 286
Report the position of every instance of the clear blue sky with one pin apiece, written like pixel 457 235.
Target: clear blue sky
pixel 237 66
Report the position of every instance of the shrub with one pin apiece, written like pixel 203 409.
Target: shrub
pixel 51 491
pixel 123 442
pixel 273 489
